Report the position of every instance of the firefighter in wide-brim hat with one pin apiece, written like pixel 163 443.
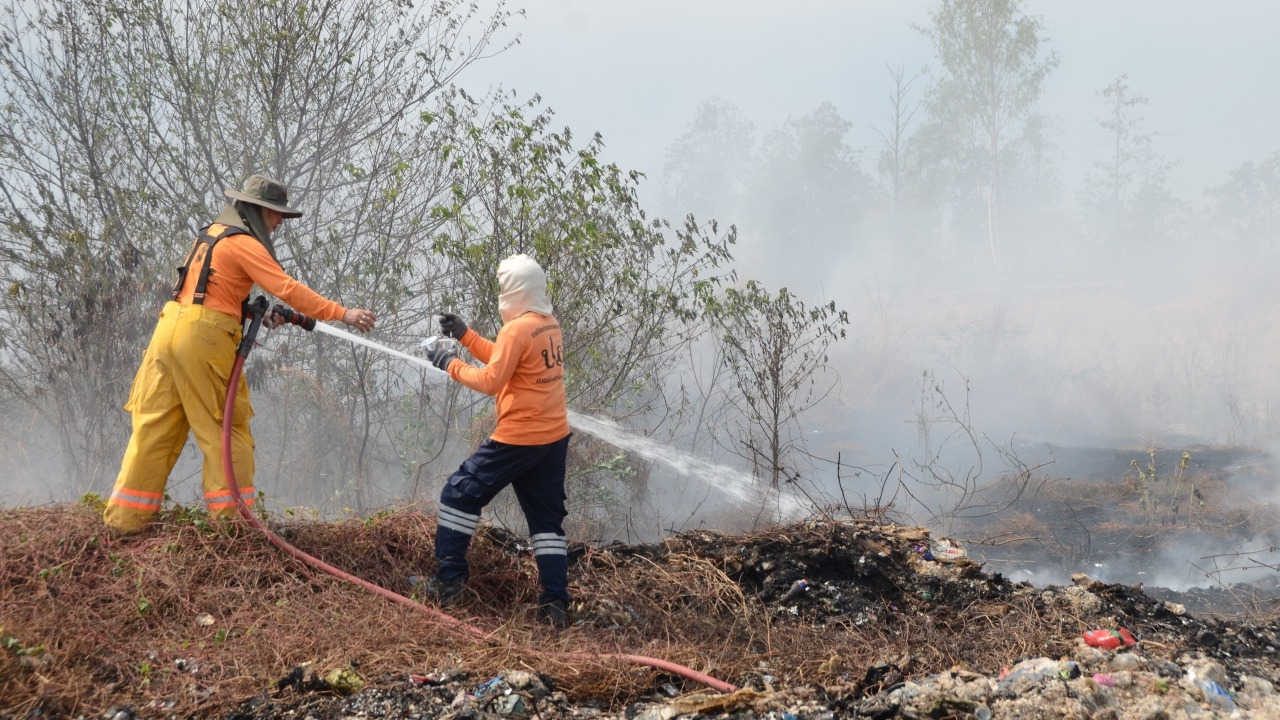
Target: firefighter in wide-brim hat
pixel 181 385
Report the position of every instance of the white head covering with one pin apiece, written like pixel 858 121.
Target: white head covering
pixel 522 288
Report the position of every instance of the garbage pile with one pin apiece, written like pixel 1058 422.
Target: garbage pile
pixel 1171 665
pixel 1099 685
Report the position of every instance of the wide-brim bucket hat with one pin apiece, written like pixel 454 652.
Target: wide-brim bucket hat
pixel 262 190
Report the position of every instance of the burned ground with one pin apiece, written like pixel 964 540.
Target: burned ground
pixel 193 619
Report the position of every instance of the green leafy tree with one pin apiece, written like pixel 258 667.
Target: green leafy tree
pixel 984 100
pixel 626 288
pixel 1246 208
pixel 807 196
pixel 707 167
pixel 776 348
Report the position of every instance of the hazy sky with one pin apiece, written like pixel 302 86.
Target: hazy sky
pixel 636 71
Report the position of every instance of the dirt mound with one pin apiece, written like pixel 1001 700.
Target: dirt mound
pixel 817 619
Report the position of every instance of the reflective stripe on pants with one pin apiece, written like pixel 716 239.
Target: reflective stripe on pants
pixel 536 474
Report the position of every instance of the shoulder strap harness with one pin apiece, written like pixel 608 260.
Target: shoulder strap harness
pixel 207 241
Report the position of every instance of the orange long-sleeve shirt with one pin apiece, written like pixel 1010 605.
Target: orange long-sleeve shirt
pixel 239 261
pixel 524 368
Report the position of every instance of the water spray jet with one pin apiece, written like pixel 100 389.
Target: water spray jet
pixel 736 484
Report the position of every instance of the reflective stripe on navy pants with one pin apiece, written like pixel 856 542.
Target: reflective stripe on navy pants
pixel 536 474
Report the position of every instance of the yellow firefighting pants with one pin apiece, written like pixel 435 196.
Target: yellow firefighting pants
pixel 181 386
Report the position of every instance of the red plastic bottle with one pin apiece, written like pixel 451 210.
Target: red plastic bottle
pixel 1109 639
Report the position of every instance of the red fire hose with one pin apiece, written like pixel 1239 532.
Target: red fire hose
pixel 229 468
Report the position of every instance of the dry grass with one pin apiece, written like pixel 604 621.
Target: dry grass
pixel 94 621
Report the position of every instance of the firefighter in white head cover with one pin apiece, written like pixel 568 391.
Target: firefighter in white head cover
pixel 524 368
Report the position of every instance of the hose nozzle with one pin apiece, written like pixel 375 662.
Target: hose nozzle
pixel 293 317
pixel 432 344
pixel 439 351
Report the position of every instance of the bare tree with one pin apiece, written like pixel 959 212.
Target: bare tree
pixel 777 350
pixel 893 157
pixel 1127 192
pixel 122 122
pixel 949 476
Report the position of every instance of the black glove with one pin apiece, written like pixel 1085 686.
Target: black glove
pixel 441 355
pixel 453 326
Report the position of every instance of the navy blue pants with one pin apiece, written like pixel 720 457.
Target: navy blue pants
pixel 536 474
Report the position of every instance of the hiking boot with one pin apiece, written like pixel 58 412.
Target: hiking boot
pixel 556 612
pixel 441 592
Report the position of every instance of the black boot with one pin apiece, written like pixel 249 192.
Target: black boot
pixel 556 612
pixel 442 593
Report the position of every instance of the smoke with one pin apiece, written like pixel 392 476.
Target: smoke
pixel 1160 339
pixel 31 459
